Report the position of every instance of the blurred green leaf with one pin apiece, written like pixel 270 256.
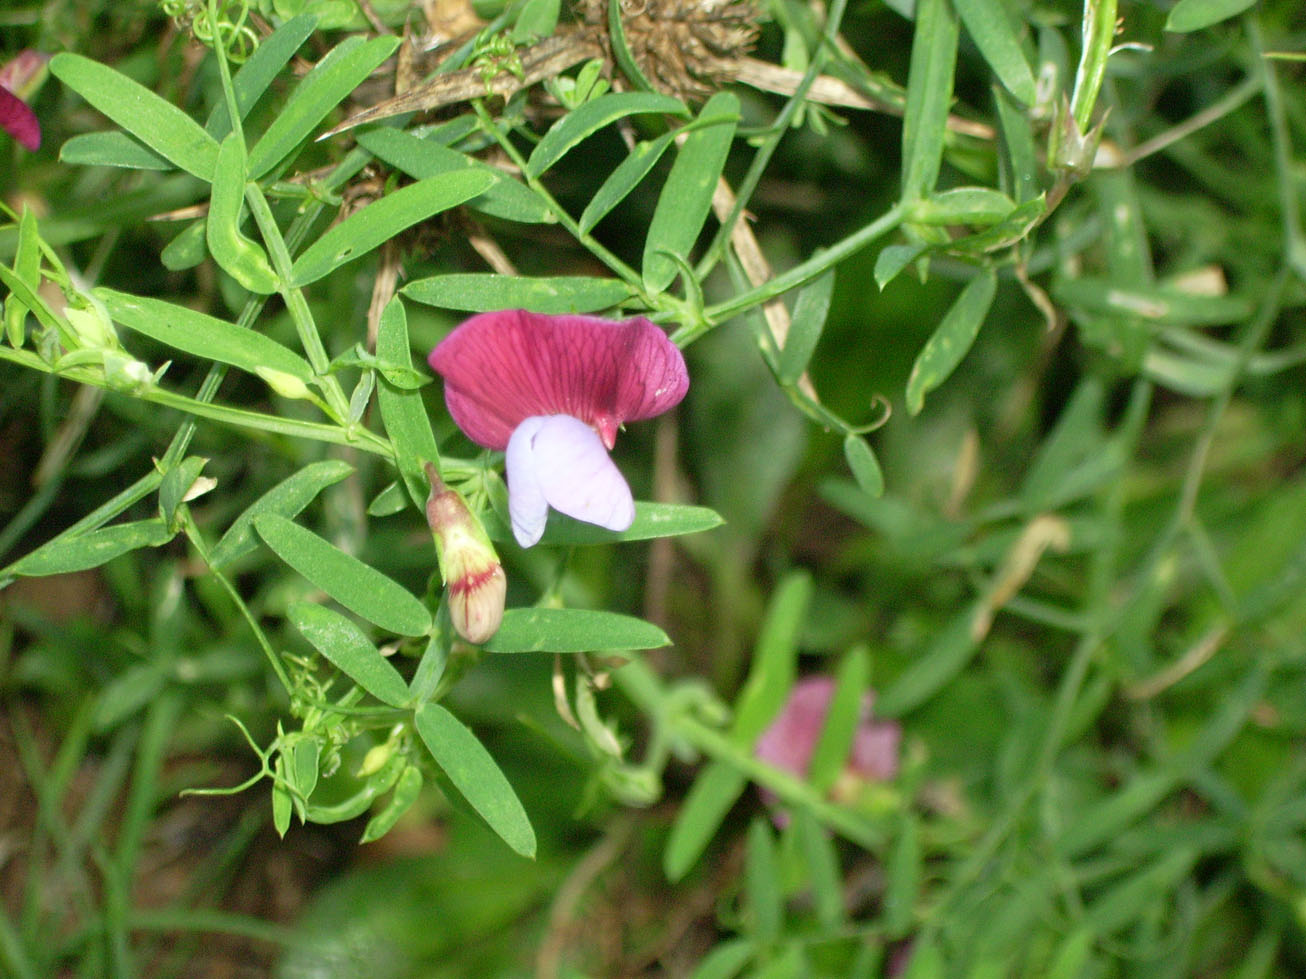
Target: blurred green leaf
pixel 481 292
pixel 187 249
pixel 762 884
pixel 158 124
pixel 947 655
pixel 989 26
pixel 384 218
pixel 358 587
pixel 713 793
pixel 929 96
pixel 193 332
pixel 902 888
pixel 863 464
pixel 951 340
pixel 567 630
pixel 345 646
pixel 686 197
pixel 822 869
pixel 406 791
pixel 1196 15
pixel 771 675
pixel 341 71
pixel 726 960
pixel 585 120
pixel 841 720
pixel 476 775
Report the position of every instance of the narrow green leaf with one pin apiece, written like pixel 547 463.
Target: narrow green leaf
pixel 202 335
pixel 403 413
pixel 126 694
pixel 651 520
pixel 384 218
pixel 286 499
pixel 357 586
pixel 774 659
pixel 822 869
pixel 111 149
pixel 904 879
pixel 929 96
pixel 963 205
pixel 345 646
pixel 406 791
pixel 187 249
pixel 1072 956
pixel 27 269
pixel 77 553
pixel 863 464
pixel 481 292
pixel 806 324
pixel 567 630
pixel 1126 901
pixel 1162 305
pixel 476 775
pixel 841 721
pixel 762 884
pixel 1019 153
pixel 1194 15
pixel 240 257
pixel 625 178
pixel 177 482
pixel 537 19
pixel 686 197
pixel 157 123
pixel 726 960
pixel 893 259
pixel 989 26
pixel 713 793
pixel 587 119
pixel 320 91
pixel 261 70
pixel 945 657
pixel 421 158
pixel 951 340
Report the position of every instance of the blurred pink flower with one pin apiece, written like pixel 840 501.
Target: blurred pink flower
pixel 791 739
pixel 18 79
pixel 551 392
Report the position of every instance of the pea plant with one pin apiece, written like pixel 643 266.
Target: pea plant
pixel 856 481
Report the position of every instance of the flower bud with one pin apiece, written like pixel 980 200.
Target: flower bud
pixel 468 563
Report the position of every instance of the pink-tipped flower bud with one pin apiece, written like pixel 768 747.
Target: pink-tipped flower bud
pixel 468 563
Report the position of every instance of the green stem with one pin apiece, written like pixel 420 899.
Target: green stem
pixel 296 304
pixel 799 275
pixel 1098 33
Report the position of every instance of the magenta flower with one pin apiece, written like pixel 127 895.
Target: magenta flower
pixel 791 739
pixel 19 78
pixel 551 392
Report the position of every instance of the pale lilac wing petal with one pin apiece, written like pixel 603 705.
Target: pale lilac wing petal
pixel 503 367
pixel 527 507
pixel 791 738
pixel 18 120
pixel 875 750
pixel 578 477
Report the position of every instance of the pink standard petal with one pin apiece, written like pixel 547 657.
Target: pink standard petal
pixel 558 461
pixel 504 367
pixel 18 120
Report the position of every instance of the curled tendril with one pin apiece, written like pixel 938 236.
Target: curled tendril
pixel 230 27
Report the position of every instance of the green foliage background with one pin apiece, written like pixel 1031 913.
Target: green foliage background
pixel 1027 463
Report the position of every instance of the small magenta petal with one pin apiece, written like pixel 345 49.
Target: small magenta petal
pixel 504 367
pixel 559 461
pixel 18 120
